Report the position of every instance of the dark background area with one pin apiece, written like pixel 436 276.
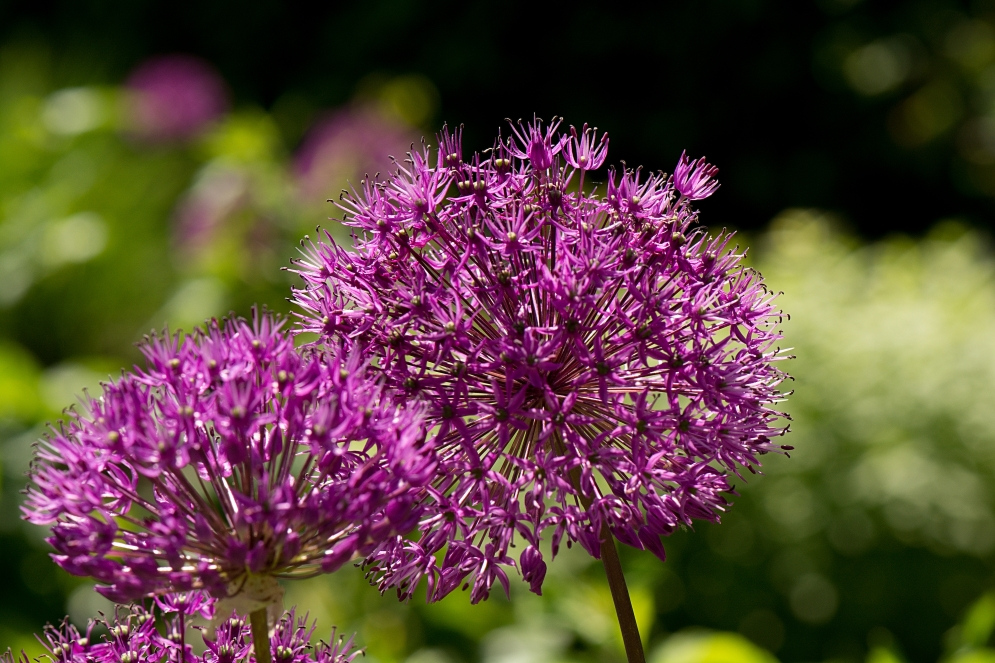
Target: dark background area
pixel 755 85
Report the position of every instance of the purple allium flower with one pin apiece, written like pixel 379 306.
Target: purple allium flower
pixel 175 97
pixel 132 636
pixel 695 179
pixel 582 153
pixel 230 461
pixel 591 365
pixel 537 147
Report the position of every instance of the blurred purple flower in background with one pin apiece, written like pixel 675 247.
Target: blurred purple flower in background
pixel 346 145
pixel 230 461
pixel 217 194
pixel 174 97
pixel 593 366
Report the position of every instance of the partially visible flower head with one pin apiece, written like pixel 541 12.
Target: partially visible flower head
pixel 592 366
pixel 175 97
pixel 133 636
pixel 230 461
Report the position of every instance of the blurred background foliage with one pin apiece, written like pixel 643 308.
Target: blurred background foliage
pixel 158 165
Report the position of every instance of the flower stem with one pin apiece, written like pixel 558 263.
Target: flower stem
pixel 613 569
pixel 620 596
pixel 259 621
pixel 183 637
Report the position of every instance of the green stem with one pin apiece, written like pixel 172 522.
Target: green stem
pixel 613 569
pixel 620 596
pixel 260 635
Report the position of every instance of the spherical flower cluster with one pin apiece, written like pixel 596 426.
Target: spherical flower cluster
pixel 591 365
pixel 230 461
pixel 133 636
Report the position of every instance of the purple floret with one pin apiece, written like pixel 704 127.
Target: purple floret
pixel 695 180
pixel 590 365
pixel 231 460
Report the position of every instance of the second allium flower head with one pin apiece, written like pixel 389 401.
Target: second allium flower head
pixel 230 461
pixel 591 365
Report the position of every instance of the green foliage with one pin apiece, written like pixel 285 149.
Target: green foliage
pixel 692 647
pixel 19 384
pixel 977 628
pixel 893 422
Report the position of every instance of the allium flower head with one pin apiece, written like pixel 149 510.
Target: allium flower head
pixel 230 461
pixel 592 365
pixel 132 636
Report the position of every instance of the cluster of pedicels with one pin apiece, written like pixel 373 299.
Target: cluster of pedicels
pixel 230 461
pixel 159 634
pixel 592 365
